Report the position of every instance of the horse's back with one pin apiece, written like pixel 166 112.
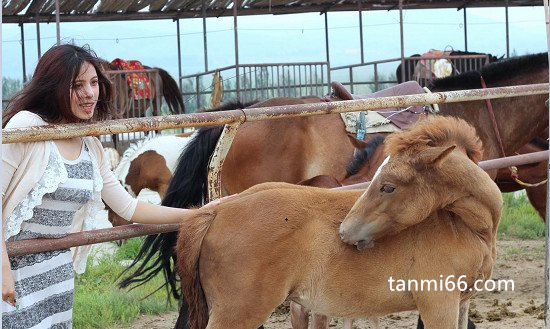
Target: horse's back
pixel 288 150
pixel 283 217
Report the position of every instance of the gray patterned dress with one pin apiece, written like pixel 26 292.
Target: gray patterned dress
pixel 44 282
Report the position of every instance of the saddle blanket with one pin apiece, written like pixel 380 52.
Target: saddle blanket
pixel 379 121
pixel 374 123
pixel 138 82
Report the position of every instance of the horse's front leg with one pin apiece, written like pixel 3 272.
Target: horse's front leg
pixel 348 323
pixel 439 311
pixel 299 316
pixel 463 315
pixel 319 321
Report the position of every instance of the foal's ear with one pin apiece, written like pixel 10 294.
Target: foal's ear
pixel 357 143
pixel 434 156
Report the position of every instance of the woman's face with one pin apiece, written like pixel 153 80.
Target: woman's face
pixel 85 92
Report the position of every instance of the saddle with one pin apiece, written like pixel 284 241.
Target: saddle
pixel 138 82
pixel 400 117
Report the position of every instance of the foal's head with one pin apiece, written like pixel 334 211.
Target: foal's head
pixel 426 170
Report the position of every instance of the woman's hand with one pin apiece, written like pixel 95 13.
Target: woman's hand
pixel 8 285
pixel 220 200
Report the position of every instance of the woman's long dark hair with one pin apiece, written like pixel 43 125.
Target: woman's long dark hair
pixel 48 93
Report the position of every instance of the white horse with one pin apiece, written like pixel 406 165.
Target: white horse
pixel 148 164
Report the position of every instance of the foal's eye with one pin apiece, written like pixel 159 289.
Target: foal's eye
pixel 387 189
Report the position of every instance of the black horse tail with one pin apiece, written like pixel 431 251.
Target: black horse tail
pixel 171 92
pixel 188 188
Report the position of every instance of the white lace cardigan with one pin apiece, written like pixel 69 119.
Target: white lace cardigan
pixel 30 170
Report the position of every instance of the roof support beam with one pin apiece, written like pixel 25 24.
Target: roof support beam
pixel 23 52
pixel 236 36
pixel 465 31
pixel 204 37
pixel 178 36
pixel 507 30
pixel 402 40
pixel 57 22
pixel 360 10
pixel 49 17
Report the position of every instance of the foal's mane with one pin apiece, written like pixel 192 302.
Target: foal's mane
pixel 493 72
pixel 363 156
pixel 434 132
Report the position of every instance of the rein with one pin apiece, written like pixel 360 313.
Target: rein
pixel 493 119
pixel 513 169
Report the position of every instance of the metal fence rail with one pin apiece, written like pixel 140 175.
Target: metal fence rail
pixel 249 82
pixel 52 132
pixel 366 78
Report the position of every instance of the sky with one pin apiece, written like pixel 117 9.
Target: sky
pixel 285 38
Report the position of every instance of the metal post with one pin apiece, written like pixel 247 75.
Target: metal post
pixel 38 37
pixel 401 33
pixel 236 36
pixel 547 222
pixel 1 168
pixel 23 52
pixel 57 27
pixel 360 9
pixel 507 30
pixel 465 31
pixel 179 53
pixel 327 47
pixel 326 37
pixel 205 42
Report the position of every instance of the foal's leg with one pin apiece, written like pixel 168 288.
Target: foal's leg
pixel 348 323
pixel 463 315
pixel 236 319
pixel 319 321
pixel 439 311
pixel 375 323
pixel 299 317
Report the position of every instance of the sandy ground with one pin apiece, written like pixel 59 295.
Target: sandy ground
pixel 521 261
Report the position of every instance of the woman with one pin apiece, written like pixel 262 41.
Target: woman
pixel 51 188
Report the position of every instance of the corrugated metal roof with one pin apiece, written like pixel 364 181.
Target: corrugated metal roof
pixel 111 10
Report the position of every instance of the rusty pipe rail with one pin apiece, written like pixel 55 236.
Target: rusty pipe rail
pixel 256 114
pixel 23 247
pixel 18 248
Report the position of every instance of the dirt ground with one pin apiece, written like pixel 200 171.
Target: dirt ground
pixel 518 260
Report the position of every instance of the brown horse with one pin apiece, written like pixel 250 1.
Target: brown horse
pixel 422 71
pixel 292 150
pixel 126 103
pixel 514 116
pixel 534 175
pixel 278 241
pixel 129 105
